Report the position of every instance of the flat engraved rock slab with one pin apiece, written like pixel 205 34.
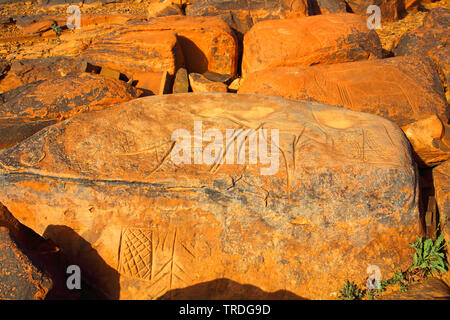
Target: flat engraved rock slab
pixel 342 197
pixel 402 89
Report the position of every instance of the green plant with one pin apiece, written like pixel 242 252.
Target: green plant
pixel 398 278
pixel 350 291
pixel 56 29
pixel 429 255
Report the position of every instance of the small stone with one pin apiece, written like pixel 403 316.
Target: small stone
pixel 217 77
pixel 150 82
pixel 199 83
pixel 235 85
pixel 181 82
pixel 164 87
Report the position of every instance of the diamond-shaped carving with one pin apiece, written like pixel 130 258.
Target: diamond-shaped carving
pixel 136 253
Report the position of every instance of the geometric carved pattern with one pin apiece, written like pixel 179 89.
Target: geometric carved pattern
pixel 135 259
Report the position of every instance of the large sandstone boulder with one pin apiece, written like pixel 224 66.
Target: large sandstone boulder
pixel 165 44
pixel 321 39
pixel 132 50
pixel 333 192
pixel 20 278
pixel 402 89
pixel 441 181
pixel 208 43
pixel 241 15
pixel 28 108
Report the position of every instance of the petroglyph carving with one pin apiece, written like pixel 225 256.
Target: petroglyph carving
pixel 136 253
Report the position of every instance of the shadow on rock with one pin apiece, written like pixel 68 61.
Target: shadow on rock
pixel 226 289
pixel 94 270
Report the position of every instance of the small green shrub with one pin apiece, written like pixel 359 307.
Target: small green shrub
pixel 429 255
pixel 350 291
pixel 398 278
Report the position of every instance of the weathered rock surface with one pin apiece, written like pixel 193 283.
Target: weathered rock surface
pixel 241 15
pixel 437 18
pixel 421 41
pixel 402 89
pixel 28 108
pixel 331 6
pixel 200 83
pixel 321 39
pixel 31 70
pixel 432 40
pixel 344 196
pixel 20 279
pixel 441 179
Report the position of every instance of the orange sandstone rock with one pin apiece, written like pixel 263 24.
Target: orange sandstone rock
pixel 106 188
pixel 402 89
pixel 166 43
pixel 428 139
pixel 200 83
pixel 321 39
pixel 28 108
pixel 208 43
pixel 132 50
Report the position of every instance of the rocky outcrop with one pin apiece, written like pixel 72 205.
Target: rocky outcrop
pixel 28 108
pixel 321 39
pixel 320 205
pixel 20 279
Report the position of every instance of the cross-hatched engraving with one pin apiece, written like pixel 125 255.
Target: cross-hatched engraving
pixel 136 253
